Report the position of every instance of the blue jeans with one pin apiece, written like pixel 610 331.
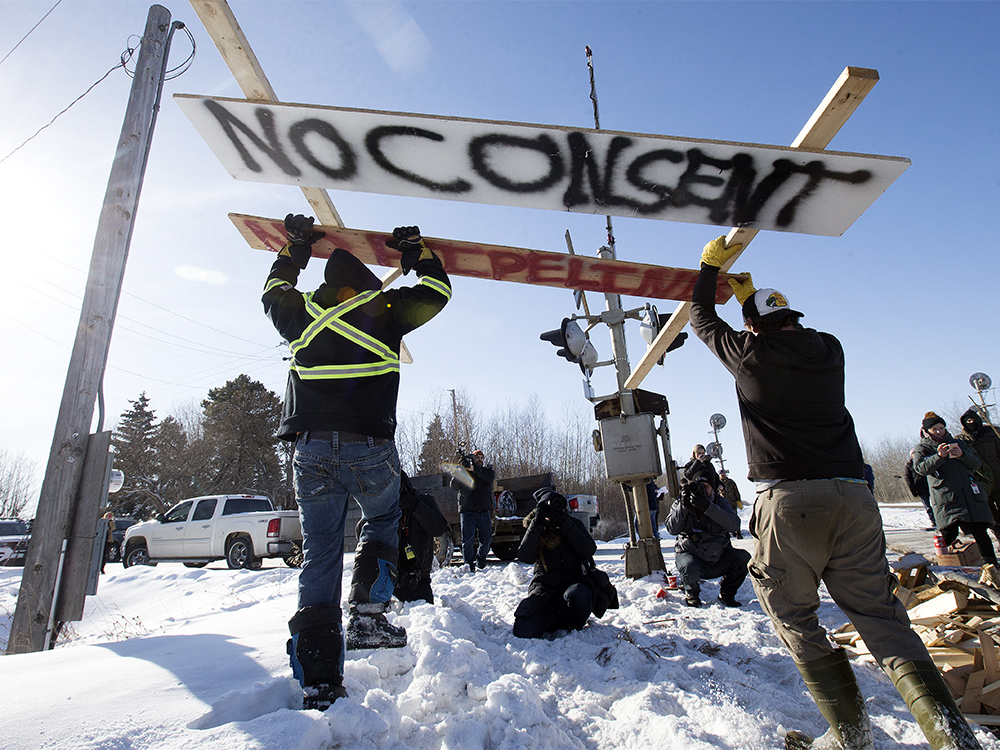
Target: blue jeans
pixel 327 475
pixel 473 523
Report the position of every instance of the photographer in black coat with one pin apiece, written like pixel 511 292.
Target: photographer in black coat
pixel 420 524
pixel 561 594
pixel 702 522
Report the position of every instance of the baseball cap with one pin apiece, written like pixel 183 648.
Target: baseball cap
pixel 769 304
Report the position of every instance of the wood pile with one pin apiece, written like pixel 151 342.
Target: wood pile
pixel 957 616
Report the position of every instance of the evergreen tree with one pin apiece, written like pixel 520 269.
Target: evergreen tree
pixel 436 450
pixel 240 420
pixel 134 441
pixel 178 465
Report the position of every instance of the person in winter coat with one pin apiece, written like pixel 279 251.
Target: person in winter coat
pixel 475 507
pixel 984 439
pixel 653 501
pixel 814 519
pixel 420 523
pixel 561 594
pixel 957 500
pixel 917 485
pixel 701 463
pixel 340 412
pixel 729 490
pixel 702 521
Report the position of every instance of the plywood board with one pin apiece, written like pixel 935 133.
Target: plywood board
pixel 498 262
pixel 582 170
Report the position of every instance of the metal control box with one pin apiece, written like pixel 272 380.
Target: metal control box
pixel 630 447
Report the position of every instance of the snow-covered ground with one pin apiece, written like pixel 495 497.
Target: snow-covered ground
pixel 170 657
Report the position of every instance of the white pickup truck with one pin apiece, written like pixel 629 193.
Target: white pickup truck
pixel 240 529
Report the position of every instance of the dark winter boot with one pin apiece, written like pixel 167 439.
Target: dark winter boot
pixel 371 588
pixel 832 685
pixel 368 628
pixel 316 653
pixel 932 705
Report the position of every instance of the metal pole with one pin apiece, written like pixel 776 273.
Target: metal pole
pixel 60 486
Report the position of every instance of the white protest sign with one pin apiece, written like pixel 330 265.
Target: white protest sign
pixel 541 166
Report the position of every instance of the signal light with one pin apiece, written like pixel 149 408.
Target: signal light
pixel 651 325
pixel 573 344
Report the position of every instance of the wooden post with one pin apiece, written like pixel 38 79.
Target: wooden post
pixel 829 117
pixel 60 486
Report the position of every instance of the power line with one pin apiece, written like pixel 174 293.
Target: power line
pixel 29 32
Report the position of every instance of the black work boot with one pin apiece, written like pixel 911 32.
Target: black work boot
pixel 368 628
pixel 932 705
pixel 372 584
pixel 316 654
pixel 832 685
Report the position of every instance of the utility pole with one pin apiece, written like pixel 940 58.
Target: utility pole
pixel 643 555
pixel 61 485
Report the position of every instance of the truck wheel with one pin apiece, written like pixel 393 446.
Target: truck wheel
pixel 294 560
pixel 112 555
pixel 239 554
pixel 136 554
pixel 444 548
pixel 505 550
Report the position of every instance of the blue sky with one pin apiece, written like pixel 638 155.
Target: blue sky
pixel 910 289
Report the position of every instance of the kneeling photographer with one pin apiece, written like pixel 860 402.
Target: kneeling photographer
pixel 566 586
pixel 702 521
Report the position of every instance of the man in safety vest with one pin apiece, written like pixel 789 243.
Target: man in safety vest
pixel 340 410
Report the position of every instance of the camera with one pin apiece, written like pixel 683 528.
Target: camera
pixel 694 495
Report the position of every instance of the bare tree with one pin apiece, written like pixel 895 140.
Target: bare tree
pixel 888 456
pixel 17 481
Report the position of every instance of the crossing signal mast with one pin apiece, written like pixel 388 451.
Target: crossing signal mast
pixel 984 384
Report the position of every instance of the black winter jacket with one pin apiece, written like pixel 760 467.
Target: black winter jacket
pixel 561 555
pixel 479 496
pixel 954 494
pixel 420 524
pixel 364 405
pixel 704 535
pixel 790 388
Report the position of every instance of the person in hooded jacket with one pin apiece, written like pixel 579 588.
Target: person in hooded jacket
pixel 420 523
pixel 702 521
pixel 814 519
pixel 957 499
pixel 985 441
pixel 561 594
pixel 340 411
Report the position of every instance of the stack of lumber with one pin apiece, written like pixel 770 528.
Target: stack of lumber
pixel 958 619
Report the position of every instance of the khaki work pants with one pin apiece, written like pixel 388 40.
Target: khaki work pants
pixel 830 531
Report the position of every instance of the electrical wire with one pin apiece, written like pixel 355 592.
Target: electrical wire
pixel 29 32
pixel 124 59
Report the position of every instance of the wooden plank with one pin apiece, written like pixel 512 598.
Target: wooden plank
pixel 944 604
pixel 970 701
pixel 982 719
pixel 990 660
pixel 837 106
pixel 497 262
pixel 221 24
pixel 581 170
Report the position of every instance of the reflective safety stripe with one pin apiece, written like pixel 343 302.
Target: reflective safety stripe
pixel 272 283
pixel 332 321
pixel 436 285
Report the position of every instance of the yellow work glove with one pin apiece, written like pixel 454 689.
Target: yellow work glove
pixel 716 253
pixel 742 289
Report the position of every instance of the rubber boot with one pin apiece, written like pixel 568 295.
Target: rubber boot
pixel 372 584
pixel 832 685
pixel 932 705
pixel 316 654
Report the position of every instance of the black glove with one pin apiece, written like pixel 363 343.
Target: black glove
pixel 300 239
pixel 410 244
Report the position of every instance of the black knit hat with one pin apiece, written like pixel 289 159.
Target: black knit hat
pixel 931 419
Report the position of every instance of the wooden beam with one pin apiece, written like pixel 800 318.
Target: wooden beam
pixel 839 104
pixel 220 23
